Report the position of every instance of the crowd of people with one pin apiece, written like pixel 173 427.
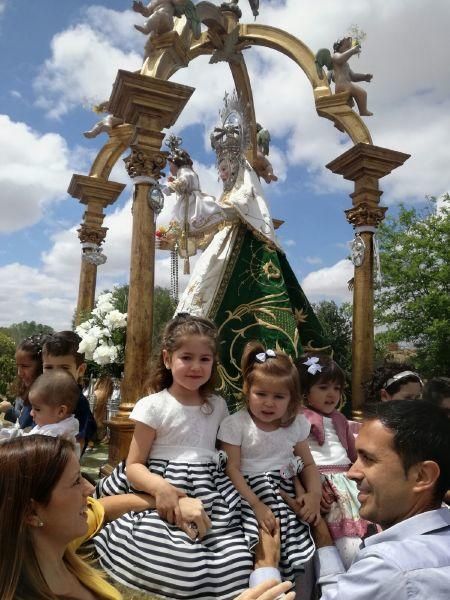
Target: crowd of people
pixel 281 499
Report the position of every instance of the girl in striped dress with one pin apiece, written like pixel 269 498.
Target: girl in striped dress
pixel 172 454
pixel 267 448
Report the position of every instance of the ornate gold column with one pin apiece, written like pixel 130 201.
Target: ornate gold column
pixel 97 194
pixel 150 105
pixel 364 164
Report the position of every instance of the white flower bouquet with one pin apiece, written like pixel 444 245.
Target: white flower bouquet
pixel 103 335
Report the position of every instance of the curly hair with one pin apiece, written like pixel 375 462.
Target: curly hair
pixel 182 326
pixel 381 376
pixel 280 368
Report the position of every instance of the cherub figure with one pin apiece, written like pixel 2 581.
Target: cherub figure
pixel 342 75
pixel 106 124
pixel 262 164
pixel 160 15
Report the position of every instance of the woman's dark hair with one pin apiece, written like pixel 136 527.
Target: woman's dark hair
pixel 382 377
pixel 32 345
pixel 330 371
pixel 175 333
pixel 30 467
pixel 421 432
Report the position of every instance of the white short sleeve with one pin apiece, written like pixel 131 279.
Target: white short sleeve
pixel 231 430
pixel 147 411
pixel 303 427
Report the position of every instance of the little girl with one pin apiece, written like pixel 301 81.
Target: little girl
pixel 333 448
pixel 172 454
pixel 266 447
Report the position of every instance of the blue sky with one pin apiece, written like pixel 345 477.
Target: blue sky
pixel 59 58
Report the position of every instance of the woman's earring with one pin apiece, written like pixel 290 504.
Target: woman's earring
pixel 40 523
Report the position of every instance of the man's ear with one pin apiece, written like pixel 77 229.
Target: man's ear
pixel 426 475
pixel 80 371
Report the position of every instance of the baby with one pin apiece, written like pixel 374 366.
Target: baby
pixel 53 397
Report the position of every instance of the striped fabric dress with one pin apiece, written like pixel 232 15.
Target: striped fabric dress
pixel 142 551
pixel 268 464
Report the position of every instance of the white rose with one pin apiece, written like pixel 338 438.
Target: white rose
pixel 87 346
pixel 105 354
pixel 115 319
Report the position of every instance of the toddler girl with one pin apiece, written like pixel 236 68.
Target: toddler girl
pixel 266 447
pixel 172 454
pixel 333 448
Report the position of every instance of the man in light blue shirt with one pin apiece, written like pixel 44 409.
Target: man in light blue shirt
pixel 402 472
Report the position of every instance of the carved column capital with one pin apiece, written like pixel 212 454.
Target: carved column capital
pixel 145 163
pixel 365 214
pixel 91 234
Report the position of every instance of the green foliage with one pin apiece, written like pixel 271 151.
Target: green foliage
pixel 414 304
pixel 337 324
pixel 7 361
pixel 20 331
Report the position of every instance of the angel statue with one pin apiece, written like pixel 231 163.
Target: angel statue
pixel 262 164
pixel 242 280
pixel 161 13
pixel 342 75
pixel 105 125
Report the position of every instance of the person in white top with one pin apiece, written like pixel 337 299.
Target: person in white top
pixel 173 455
pixel 332 445
pixel 267 448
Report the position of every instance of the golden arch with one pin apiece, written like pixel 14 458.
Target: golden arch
pixel 177 49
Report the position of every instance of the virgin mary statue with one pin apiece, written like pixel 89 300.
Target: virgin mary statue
pixel 242 280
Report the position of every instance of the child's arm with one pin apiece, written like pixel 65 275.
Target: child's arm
pixel 310 501
pixel 264 515
pixel 166 495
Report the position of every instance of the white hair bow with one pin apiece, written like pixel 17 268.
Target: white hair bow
pixel 313 365
pixel 263 356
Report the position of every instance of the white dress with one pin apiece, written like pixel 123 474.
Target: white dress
pixel 145 552
pixel 268 464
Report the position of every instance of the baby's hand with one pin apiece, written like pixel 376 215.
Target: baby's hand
pixel 265 517
pixel 167 502
pixel 309 508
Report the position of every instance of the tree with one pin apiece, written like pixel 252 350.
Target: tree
pixel 413 305
pixel 7 361
pixel 22 330
pixel 337 324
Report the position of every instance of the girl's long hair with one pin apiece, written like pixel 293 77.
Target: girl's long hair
pixel 175 333
pixel 279 368
pixel 32 345
pixel 30 468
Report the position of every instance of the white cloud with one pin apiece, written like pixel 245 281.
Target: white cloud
pixel 329 283
pixel 81 70
pixel 34 172
pixel 313 260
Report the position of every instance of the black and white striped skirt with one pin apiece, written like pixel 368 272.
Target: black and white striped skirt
pixel 144 552
pixel 297 545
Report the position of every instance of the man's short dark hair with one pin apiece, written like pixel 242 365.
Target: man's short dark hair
pixel 421 432
pixel 64 343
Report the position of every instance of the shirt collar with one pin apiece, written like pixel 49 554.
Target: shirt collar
pixel 425 522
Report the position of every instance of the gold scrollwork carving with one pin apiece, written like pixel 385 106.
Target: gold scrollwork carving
pixel 92 235
pixel 139 163
pixel 365 214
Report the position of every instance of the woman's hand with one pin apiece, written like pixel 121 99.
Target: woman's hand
pixel 265 517
pixel 194 520
pixel 269 590
pixel 167 499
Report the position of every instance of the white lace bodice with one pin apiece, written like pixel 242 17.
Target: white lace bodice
pixel 182 432
pixel 262 450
